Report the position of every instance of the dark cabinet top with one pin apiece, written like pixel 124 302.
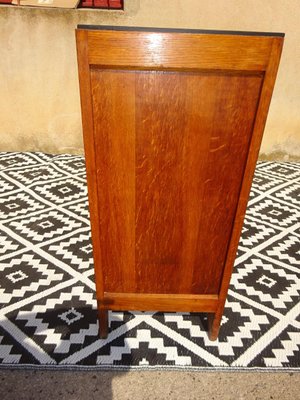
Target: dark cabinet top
pixel 177 30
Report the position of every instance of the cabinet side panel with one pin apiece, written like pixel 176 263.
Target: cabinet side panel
pixel 113 95
pixel 160 120
pixel 192 137
pixel 227 118
pixel 171 151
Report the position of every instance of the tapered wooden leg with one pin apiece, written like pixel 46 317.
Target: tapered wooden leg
pixel 103 322
pixel 214 322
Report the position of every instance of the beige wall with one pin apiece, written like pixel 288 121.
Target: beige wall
pixel 39 96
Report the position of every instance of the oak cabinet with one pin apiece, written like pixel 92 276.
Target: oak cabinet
pixel 172 124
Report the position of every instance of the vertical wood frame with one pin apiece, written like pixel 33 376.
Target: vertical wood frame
pixel 89 148
pixel 258 129
pixel 175 51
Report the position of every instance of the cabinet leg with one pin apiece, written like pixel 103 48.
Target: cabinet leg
pixel 103 322
pixel 214 322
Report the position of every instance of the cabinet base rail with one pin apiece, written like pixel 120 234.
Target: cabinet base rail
pixel 208 303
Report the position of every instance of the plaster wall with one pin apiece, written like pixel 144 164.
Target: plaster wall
pixel 39 93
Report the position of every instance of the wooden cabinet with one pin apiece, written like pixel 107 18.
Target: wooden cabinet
pixel 172 124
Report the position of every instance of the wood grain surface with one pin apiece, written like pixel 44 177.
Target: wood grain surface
pixel 172 128
pixel 169 174
pixel 157 50
pixel 161 302
pixel 256 138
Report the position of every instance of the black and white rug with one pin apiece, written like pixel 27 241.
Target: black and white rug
pixel 47 294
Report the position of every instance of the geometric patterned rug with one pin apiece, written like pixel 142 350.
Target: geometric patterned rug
pixel 47 294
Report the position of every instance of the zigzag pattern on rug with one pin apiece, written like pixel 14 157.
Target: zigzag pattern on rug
pixel 48 309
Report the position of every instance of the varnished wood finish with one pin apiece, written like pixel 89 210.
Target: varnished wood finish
pixel 156 50
pixel 161 302
pixel 89 148
pixel 114 140
pixel 258 128
pixel 172 127
pixel 103 321
pixel 165 179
